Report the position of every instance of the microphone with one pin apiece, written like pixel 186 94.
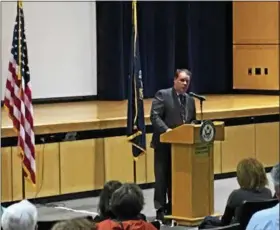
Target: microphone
pixel 199 97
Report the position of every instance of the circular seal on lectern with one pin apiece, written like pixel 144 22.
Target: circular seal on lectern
pixel 207 131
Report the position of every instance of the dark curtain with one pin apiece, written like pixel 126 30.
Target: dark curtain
pixel 193 35
pixel 113 48
pixel 210 46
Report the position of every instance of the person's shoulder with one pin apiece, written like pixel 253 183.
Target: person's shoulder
pixel 234 198
pixel 264 216
pixel 164 91
pixel 242 194
pixel 106 224
pixel 236 192
pixel 267 191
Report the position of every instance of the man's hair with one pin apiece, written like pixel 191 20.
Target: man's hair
pixel 178 71
pixel 74 224
pixel 105 197
pixel 275 175
pixel 20 216
pixel 251 174
pixel 127 202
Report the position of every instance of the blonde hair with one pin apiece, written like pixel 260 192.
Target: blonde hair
pixel 74 224
pixel 251 174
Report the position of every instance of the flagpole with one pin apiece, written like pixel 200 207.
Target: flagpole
pixel 23 184
pixel 134 171
pixel 19 5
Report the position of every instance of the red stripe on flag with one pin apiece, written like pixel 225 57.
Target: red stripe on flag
pixel 18 98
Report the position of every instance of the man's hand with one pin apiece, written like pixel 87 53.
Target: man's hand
pixel 168 130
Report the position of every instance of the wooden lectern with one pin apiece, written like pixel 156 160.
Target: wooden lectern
pixel 192 173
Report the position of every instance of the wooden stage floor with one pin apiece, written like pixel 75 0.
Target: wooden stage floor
pixel 79 116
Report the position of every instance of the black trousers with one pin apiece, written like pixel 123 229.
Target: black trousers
pixel 162 170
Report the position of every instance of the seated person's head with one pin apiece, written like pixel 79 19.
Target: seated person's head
pixel 74 224
pixel 105 197
pixel 127 202
pixel 251 174
pixel 275 175
pixel 20 216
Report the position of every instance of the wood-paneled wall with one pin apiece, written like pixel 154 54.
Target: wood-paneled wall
pixel 85 165
pixel 256 27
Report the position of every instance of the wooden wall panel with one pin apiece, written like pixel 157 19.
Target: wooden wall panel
pixel 267 143
pixel 239 143
pixel 85 165
pixel 118 159
pixel 47 166
pixel 6 174
pixel 256 22
pixel 141 171
pixel 81 166
pixel 256 67
pixel 16 174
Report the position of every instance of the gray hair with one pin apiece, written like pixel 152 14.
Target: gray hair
pixel 275 175
pixel 20 216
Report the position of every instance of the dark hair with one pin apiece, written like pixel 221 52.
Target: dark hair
pixel 105 197
pixel 178 71
pixel 251 174
pixel 127 202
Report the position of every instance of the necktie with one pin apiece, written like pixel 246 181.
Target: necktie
pixel 182 99
pixel 182 107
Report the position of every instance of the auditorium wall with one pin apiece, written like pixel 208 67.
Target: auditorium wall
pixel 256 28
pixel 61 40
pixel 102 159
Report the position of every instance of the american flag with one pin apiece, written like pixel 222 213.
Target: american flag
pixel 18 97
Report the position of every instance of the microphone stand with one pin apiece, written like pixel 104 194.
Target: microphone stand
pixel 201 111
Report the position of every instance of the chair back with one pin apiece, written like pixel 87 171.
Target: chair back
pixel 248 209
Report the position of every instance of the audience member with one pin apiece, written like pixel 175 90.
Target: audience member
pixel 104 201
pixel 268 219
pixel 74 224
pixel 20 216
pixel 252 180
pixel 126 204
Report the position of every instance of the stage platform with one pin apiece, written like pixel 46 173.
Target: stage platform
pixel 78 116
pixel 100 152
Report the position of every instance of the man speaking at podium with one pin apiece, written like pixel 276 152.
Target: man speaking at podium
pixel 171 108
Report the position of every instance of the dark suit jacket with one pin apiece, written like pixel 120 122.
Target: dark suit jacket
pixel 165 112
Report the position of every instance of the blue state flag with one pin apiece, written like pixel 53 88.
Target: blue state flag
pixel 136 130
